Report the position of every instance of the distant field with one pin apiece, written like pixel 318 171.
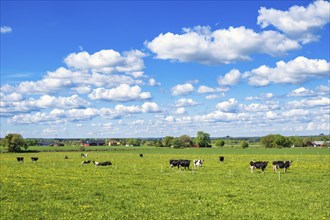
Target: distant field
pixel 146 188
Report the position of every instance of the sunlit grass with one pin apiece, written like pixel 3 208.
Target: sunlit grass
pixel 146 188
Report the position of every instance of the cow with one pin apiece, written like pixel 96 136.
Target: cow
pixel 85 162
pixel 198 163
pixel 281 164
pixel 174 163
pixel 106 163
pixel 34 159
pixel 83 155
pixel 222 158
pixel 258 165
pixel 141 155
pixel 184 163
pixel 20 159
pixel 66 157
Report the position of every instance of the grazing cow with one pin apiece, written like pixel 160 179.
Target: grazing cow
pixel 20 159
pixel 174 163
pixel 106 163
pixel 141 155
pixel 184 163
pixel 66 157
pixel 34 159
pixel 258 165
pixel 222 158
pixel 83 155
pixel 281 164
pixel 86 162
pixel 198 163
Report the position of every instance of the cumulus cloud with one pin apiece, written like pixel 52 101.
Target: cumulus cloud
pixel 295 71
pixel 61 116
pixel 298 22
pixel 180 111
pixel 207 89
pixel 303 92
pixel 185 102
pixel 263 96
pixel 228 106
pixel 153 82
pixel 12 106
pixel 5 29
pixel 183 89
pixel 108 61
pixel 122 93
pixel 310 103
pixel 221 46
pixel 231 78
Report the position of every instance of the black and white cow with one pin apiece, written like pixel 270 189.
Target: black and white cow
pixel 198 163
pixel 174 163
pixel 222 158
pixel 34 159
pixel 83 155
pixel 85 162
pixel 106 163
pixel 258 165
pixel 20 159
pixel 184 163
pixel 281 164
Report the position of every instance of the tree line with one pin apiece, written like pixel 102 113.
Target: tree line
pixel 16 143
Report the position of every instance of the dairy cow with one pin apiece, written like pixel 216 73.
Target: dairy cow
pixel 281 164
pixel 258 165
pixel 198 163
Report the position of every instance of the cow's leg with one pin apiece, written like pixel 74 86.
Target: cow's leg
pixel 251 169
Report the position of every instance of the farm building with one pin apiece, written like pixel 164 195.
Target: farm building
pixel 320 143
pixel 88 143
pixel 114 143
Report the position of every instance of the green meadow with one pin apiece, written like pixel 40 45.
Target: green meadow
pixel 147 188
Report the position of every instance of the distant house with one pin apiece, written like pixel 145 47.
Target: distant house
pixel 318 143
pixel 45 143
pixel 88 143
pixel 114 143
pixel 58 145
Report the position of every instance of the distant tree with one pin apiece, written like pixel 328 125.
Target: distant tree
pixel 244 144
pixel 203 139
pixel 166 142
pixel 219 143
pixel 176 143
pixel 186 141
pixel 158 143
pixel 297 141
pixel 14 143
pixel 31 142
pixel 133 141
pixel 275 141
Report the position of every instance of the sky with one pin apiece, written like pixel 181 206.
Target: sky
pixel 120 69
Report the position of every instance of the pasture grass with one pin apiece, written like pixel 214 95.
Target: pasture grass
pixel 147 188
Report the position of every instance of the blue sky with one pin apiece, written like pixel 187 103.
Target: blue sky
pixel 151 69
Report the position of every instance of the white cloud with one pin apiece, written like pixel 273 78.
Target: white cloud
pixel 310 103
pixel 121 93
pixel 206 89
pixel 221 46
pixel 228 106
pixel 231 78
pixel 150 107
pixel 295 71
pixel 153 82
pixel 185 102
pixel 183 89
pixel 298 22
pixel 264 96
pixel 303 92
pixel 180 111
pixel 108 61
pixel 5 29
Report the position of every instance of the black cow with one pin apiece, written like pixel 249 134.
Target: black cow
pixel 34 159
pixel 66 157
pixel 141 155
pixel 281 164
pixel 184 163
pixel 106 163
pixel 86 162
pixel 20 159
pixel 222 159
pixel 258 165
pixel 174 163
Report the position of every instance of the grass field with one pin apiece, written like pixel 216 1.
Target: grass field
pixel 146 188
